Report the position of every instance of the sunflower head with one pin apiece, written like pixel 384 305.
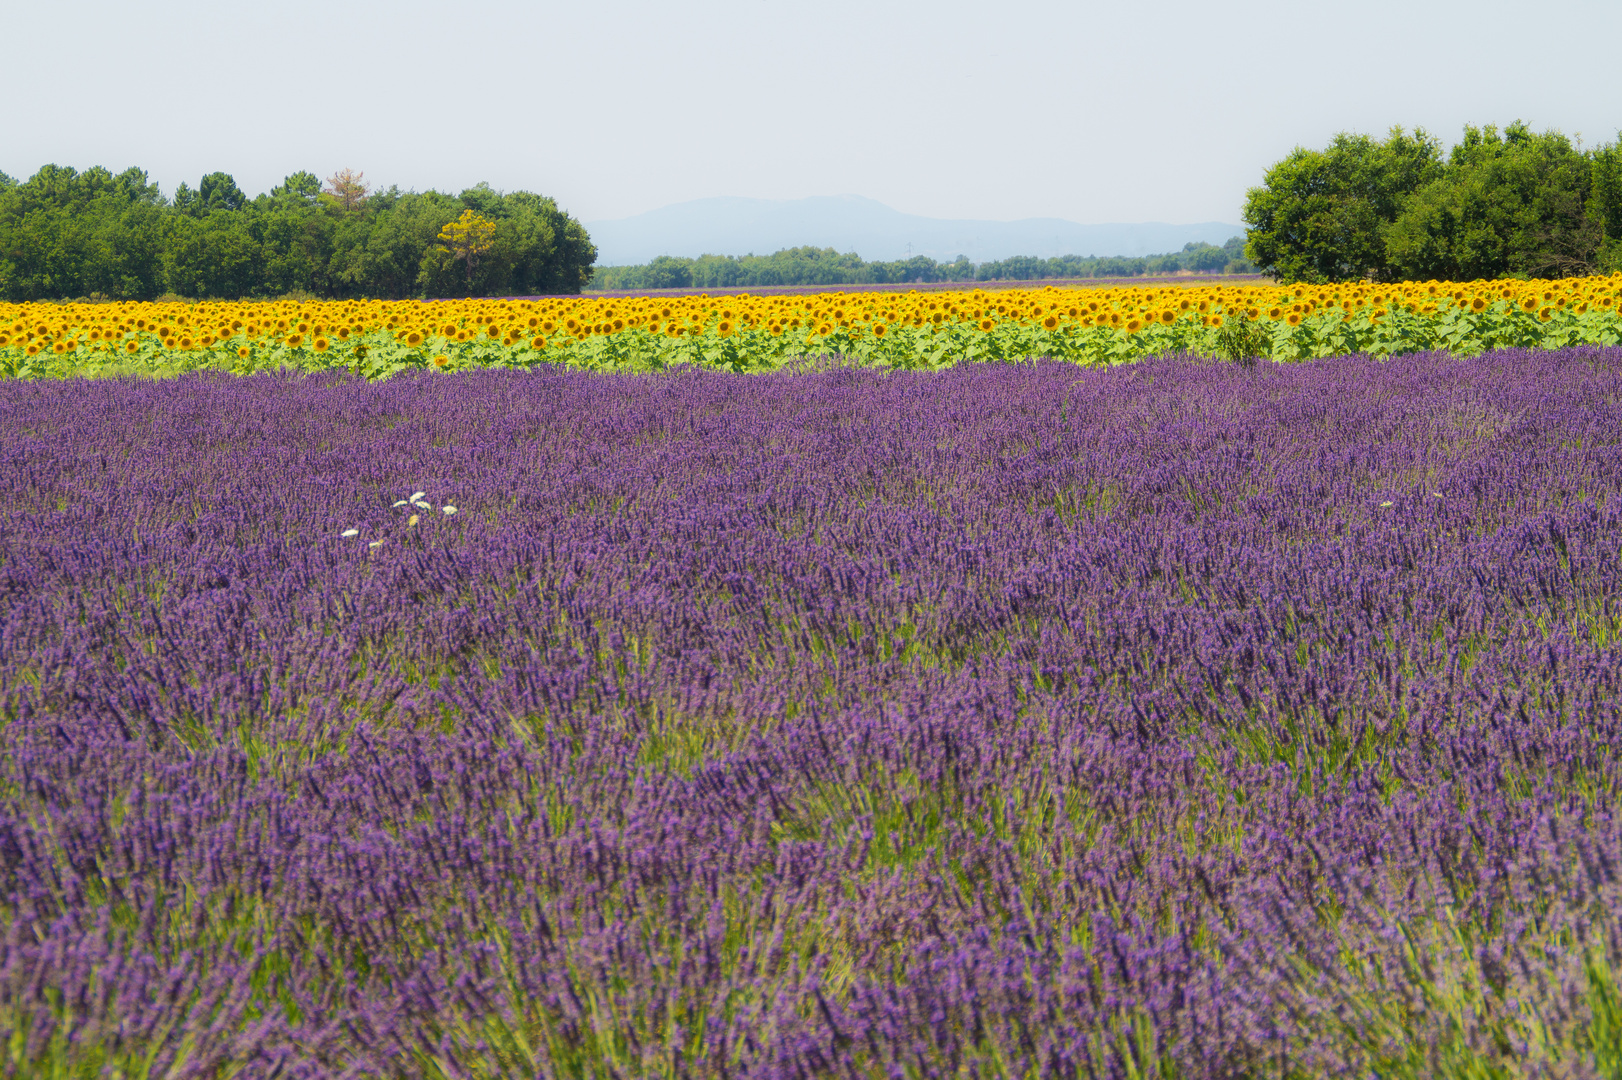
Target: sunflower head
pixel 1050 323
pixel 132 346
pixel 320 344
pixel 537 342
pixel 987 324
pixel 414 338
pixel 441 360
pixel 243 352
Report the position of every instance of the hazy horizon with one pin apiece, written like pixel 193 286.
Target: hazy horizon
pixel 734 226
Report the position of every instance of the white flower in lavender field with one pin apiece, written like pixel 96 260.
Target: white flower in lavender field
pixel 375 543
pixel 1387 504
pixel 1438 494
pixel 413 498
pixel 350 532
pixel 412 521
pixel 449 510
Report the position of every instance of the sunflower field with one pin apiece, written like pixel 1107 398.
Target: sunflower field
pixel 746 333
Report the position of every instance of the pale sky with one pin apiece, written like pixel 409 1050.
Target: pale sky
pixel 1093 112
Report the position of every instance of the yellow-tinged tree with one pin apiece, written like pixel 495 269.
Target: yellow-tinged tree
pixel 468 237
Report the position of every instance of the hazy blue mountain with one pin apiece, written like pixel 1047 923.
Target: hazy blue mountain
pixel 733 226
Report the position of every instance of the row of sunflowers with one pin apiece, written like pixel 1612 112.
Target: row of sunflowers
pixel 741 333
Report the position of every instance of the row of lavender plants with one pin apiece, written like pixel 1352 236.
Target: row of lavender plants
pixel 1011 721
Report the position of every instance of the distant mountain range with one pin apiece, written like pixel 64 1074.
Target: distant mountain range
pixel 733 226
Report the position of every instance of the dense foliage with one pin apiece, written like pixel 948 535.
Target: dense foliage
pixel 68 234
pixel 1504 204
pixel 825 266
pixel 752 333
pixel 1176 720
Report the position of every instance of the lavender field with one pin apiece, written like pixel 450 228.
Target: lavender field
pixel 1172 720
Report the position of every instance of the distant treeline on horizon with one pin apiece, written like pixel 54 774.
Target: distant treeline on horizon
pixel 95 234
pixel 826 266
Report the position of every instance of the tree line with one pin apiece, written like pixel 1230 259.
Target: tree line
pixel 68 234
pixel 1511 203
pixel 826 266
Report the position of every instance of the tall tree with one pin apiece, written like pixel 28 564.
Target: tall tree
pixel 1320 215
pixel 1510 203
pixel 348 189
pixel 466 239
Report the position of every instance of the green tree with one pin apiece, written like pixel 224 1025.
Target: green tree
pixel 669 272
pixel 1320 215
pixel 65 234
pixel 1204 258
pixel 218 191
pixel 1605 203
pixel 296 233
pixel 1511 203
pixel 211 256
